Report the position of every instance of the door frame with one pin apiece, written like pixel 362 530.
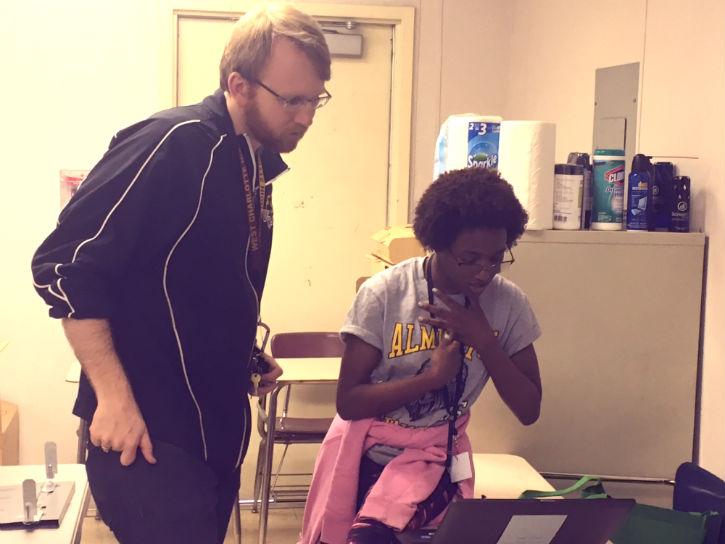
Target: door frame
pixel 402 19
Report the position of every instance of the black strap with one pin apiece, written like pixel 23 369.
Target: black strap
pixel 452 403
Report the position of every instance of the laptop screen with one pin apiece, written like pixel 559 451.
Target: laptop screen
pixel 529 521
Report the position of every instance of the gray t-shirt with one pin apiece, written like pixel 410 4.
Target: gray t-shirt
pixel 385 315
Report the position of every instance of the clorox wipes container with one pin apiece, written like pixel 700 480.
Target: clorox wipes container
pixel 607 189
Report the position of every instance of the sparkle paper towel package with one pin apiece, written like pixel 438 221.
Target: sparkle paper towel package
pixel 526 160
pixel 467 140
pixel 522 151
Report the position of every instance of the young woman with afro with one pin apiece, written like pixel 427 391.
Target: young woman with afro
pixel 422 339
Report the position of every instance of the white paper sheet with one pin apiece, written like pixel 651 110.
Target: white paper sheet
pixel 527 529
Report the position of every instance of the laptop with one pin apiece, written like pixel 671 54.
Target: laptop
pixel 530 521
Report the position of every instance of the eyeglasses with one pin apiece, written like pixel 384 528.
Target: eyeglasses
pixel 478 265
pixel 296 103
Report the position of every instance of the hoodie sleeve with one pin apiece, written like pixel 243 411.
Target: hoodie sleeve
pixel 147 171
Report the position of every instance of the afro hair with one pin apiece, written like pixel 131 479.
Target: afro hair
pixel 467 199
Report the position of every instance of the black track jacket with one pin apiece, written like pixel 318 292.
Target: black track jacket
pixel 156 241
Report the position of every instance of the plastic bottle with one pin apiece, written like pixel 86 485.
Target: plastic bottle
pixel 607 189
pixel 680 209
pixel 662 195
pixel 582 159
pixel 568 189
pixel 639 194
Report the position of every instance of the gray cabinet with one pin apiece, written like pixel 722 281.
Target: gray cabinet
pixel 620 315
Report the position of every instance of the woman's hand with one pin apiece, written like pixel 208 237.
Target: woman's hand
pixel 467 325
pixel 445 361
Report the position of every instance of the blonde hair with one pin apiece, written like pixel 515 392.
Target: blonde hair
pixel 250 42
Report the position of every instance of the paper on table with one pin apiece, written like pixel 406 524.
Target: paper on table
pixel 528 529
pixel 74 372
pixel 53 505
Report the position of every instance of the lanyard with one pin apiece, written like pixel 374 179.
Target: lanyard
pixel 451 402
pixel 255 220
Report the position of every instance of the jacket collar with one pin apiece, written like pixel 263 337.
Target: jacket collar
pixel 272 162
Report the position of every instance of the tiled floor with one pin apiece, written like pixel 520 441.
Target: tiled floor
pixel 284 526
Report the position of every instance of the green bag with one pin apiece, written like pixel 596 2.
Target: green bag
pixel 652 524
pixel 594 490
pixel 645 524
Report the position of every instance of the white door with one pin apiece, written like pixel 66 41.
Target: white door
pixel 335 195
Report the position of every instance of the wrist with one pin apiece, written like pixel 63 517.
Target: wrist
pixel 117 395
pixel 431 380
pixel 485 344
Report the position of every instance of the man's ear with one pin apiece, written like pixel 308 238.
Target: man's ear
pixel 239 87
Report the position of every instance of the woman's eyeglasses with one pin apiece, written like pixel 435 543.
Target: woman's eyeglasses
pixel 478 265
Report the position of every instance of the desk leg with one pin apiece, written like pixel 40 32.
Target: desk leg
pixel 85 500
pixel 267 464
pixel 258 471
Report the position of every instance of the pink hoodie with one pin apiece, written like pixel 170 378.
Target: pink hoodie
pixel 407 480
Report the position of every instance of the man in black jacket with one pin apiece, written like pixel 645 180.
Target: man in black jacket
pixel 157 267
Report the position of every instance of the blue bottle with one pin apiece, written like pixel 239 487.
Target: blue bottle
pixel 662 196
pixel 680 211
pixel 639 195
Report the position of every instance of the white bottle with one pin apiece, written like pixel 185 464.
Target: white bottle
pixel 568 189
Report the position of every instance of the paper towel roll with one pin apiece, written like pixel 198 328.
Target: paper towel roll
pixel 526 160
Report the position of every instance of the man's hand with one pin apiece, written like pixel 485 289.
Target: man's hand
pixel 118 425
pixel 269 380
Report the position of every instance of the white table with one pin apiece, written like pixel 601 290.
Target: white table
pixel 504 476
pixel 74 372
pixel 69 531
pixel 73 376
pixel 309 370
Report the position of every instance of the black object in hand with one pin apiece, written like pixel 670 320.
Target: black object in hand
pixel 259 364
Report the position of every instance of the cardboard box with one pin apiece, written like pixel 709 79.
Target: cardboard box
pixel 396 244
pixel 377 264
pixel 9 434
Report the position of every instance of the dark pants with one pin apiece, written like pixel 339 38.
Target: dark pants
pixel 178 500
pixel 371 531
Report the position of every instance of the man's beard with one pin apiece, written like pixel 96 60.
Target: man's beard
pixel 260 131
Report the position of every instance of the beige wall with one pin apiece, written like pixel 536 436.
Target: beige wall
pixel 73 74
pixel 555 48
pixel 683 109
pixel 84 69
pixel 682 83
